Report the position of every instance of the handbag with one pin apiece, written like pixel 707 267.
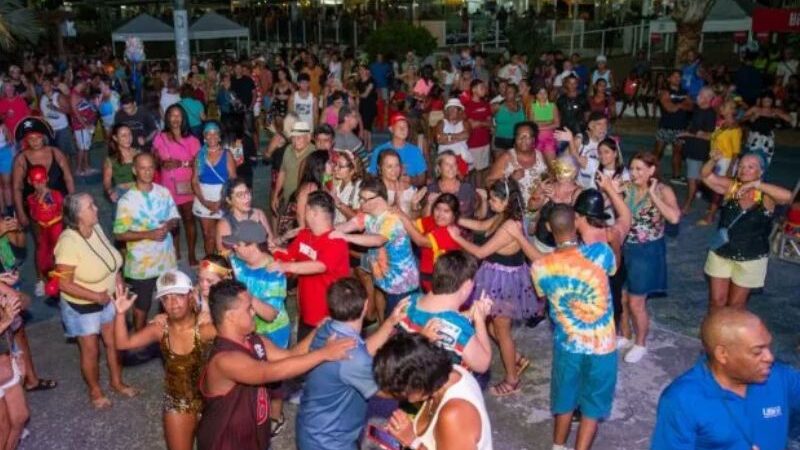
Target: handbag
pixel 722 236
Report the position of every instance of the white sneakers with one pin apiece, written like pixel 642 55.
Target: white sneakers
pixel 635 354
pixel 560 447
pixel 623 342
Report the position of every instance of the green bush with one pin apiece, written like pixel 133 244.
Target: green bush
pixel 397 38
pixel 528 36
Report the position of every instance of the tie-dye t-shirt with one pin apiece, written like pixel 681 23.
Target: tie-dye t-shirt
pixel 455 329
pixel 267 287
pixel 575 282
pixel 393 265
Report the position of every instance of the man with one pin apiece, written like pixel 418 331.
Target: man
pixel 574 279
pixel 675 105
pixel 381 71
pixel 748 80
pixel 390 257
pixel 317 259
pixel 572 106
pixel 691 79
pixel 697 142
pixel 54 105
pixel 787 66
pixel 410 155
pixel 478 112
pixel 583 149
pixel 244 88
pixel 315 75
pixel 333 409
pixel 13 108
pixel 581 71
pixel 479 69
pixel 735 397
pixel 139 120
pixel 145 217
pixel 323 137
pixel 465 337
pixel 293 157
pixel 558 81
pixel 303 102
pixel 240 364
pixel 345 138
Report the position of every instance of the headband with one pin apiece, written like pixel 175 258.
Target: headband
pixel 210 126
pixel 211 266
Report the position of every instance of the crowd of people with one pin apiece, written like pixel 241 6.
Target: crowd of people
pixel 501 198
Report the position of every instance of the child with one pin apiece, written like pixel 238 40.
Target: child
pixel 45 207
pixel 430 234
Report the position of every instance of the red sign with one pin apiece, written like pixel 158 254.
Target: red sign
pixel 655 38
pixel 740 37
pixel 776 20
pixel 762 37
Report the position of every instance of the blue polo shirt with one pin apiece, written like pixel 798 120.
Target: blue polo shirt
pixel 695 412
pixel 333 409
pixel 410 156
pixel 380 73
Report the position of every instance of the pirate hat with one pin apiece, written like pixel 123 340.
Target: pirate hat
pixel 30 125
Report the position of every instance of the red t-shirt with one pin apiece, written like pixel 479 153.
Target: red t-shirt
pixel 13 110
pixel 312 289
pixel 481 111
pixel 441 243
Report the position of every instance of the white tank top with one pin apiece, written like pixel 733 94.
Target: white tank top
pixel 56 119
pixel 467 389
pixel 531 175
pixel 459 148
pixel 304 108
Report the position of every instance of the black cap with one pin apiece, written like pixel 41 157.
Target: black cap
pixel 590 203
pixel 247 232
pixel 32 124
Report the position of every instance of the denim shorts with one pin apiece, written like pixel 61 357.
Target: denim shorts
pixel 77 324
pixel 646 267
pixel 583 381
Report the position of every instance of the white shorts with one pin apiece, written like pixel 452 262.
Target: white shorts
pixel 212 193
pixel 83 138
pixel 721 167
pixel 481 156
pixel 16 377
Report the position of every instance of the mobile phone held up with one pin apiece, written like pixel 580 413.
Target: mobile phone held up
pixel 382 437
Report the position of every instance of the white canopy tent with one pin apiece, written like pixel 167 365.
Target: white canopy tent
pixel 215 26
pixel 146 28
pixel 726 16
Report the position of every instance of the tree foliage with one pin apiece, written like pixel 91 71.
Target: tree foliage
pixel 17 24
pixel 397 38
pixel 528 36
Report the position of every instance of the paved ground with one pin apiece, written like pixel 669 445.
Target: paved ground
pixel 61 419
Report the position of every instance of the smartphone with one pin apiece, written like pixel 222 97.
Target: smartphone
pixel 382 437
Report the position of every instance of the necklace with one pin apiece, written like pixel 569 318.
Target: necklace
pixel 569 243
pixel 111 267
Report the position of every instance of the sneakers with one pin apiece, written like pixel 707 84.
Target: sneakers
pixel 39 290
pixel 560 447
pixel 623 342
pixel 635 354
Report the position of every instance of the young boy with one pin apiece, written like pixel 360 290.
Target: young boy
pixel 45 207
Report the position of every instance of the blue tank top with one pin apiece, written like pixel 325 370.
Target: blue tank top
pixel 217 175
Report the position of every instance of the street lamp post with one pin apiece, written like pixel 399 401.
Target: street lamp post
pixel 181 22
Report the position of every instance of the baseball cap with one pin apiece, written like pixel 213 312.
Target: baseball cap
pixel 397 117
pixel 173 282
pixel 601 59
pixel 248 232
pixel 300 128
pixel 454 102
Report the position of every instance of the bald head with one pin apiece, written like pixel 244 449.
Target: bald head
pixel 725 326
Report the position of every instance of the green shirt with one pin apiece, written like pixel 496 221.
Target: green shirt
pixel 291 169
pixel 505 120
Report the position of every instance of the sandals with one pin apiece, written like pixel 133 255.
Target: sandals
pixel 101 402
pixel 504 388
pixel 276 425
pixel 522 365
pixel 127 391
pixel 42 385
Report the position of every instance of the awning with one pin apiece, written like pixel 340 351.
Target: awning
pixel 775 20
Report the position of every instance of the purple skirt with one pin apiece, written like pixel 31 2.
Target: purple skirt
pixel 510 289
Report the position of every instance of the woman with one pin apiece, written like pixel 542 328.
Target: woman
pixel 524 163
pixel 184 342
pixel 213 269
pixel 317 174
pixel 330 115
pixel 170 95
pixel 601 101
pixel 118 166
pixel 400 192
pixel 449 181
pixel 281 93
pixel 560 188
pixel 409 367
pixel 88 270
pixel 83 118
pixel 727 141
pixel 176 150
pixel 367 103
pixel 108 107
pixel 14 411
pixel 453 132
pixel 545 115
pixel 644 252
pixel 478 113
pixel 31 136
pixel 195 112
pixel 213 167
pixel 504 276
pixel 737 261
pixel 238 207
pixel 763 119
pixel 611 165
pixel 506 116
pixel 347 176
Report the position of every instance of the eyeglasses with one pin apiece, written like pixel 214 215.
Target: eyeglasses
pixel 365 200
pixel 242 194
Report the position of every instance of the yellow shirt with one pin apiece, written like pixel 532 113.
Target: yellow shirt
pixel 95 259
pixel 727 141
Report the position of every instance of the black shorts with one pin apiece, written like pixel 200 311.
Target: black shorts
pixel 144 290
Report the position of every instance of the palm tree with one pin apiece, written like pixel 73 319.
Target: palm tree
pixel 17 24
pixel 689 16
